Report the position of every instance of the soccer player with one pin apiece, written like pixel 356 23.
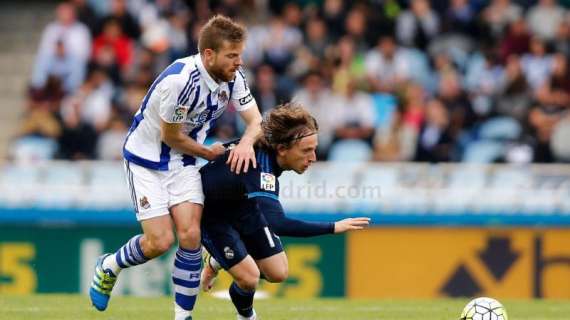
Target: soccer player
pixel 243 215
pixel 160 151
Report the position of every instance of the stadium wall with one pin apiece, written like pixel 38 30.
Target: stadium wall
pixel 429 238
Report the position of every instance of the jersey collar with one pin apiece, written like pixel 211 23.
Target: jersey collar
pixel 212 84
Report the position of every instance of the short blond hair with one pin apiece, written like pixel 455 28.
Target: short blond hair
pixel 219 29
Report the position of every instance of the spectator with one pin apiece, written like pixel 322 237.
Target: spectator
pixel 460 18
pixel 499 14
pixel 386 65
pixel 555 91
pixel 435 141
pixel 349 66
pixel 78 139
pixel 516 41
pixel 417 26
pixel 354 114
pixel 319 101
pixel 92 102
pixel 119 12
pixel 265 90
pixel 112 38
pixel 110 142
pixel 454 98
pixel 544 18
pixel 86 14
pixel 64 50
pixel 537 64
pixel 515 97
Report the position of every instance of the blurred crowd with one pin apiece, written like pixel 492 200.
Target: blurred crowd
pixel 387 80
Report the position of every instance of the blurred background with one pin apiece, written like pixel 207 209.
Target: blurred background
pixel 444 121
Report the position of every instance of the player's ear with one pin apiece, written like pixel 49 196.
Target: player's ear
pixel 281 149
pixel 209 55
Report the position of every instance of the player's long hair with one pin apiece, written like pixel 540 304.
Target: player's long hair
pixel 285 125
pixel 218 29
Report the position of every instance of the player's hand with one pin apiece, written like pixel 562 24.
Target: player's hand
pixel 241 156
pixel 216 149
pixel 351 224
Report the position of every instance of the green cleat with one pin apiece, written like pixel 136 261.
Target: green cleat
pixel 102 285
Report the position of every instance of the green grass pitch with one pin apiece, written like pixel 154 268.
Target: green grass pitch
pixel 77 307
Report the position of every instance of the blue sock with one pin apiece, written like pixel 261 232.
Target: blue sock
pixel 129 255
pixel 186 277
pixel 242 300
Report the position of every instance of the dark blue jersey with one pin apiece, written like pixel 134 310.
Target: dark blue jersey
pixel 235 198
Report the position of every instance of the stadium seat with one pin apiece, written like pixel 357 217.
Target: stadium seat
pixel 501 128
pixel 19 184
pixel 33 149
pixel 483 151
pixel 350 150
pixel 64 181
pixel 106 186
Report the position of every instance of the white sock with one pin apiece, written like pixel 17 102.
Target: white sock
pixel 179 313
pixel 110 262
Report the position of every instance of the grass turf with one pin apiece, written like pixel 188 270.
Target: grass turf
pixel 68 307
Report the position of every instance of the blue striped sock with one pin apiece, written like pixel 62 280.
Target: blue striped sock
pixel 186 277
pixel 128 255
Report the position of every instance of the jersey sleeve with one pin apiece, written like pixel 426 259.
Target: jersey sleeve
pixel 241 95
pixel 261 184
pixel 288 227
pixel 170 92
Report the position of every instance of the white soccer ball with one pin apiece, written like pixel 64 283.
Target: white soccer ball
pixel 484 309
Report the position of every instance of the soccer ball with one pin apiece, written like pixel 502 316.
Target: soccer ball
pixel 484 309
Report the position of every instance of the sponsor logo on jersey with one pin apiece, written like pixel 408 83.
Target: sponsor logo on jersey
pixel 267 181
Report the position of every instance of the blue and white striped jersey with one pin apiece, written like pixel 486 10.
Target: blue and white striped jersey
pixel 183 93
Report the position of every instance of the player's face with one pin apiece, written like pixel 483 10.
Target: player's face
pixel 301 155
pixel 224 63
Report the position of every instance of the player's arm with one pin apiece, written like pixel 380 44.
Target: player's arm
pixel 173 113
pixel 285 226
pixel 241 156
pixel 173 136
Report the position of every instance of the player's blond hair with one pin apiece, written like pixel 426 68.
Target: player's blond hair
pixel 219 29
pixel 286 124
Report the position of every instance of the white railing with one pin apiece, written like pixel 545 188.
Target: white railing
pixel 325 187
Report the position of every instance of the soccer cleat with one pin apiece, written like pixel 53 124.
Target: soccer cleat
pixel 102 285
pixel 209 274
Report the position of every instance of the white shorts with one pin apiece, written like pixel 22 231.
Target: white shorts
pixel 153 192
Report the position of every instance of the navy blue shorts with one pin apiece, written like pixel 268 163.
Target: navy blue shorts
pixel 230 242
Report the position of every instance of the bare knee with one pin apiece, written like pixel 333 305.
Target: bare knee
pixel 278 274
pixel 248 280
pixel 189 237
pixel 158 243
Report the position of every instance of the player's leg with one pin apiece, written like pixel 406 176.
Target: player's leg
pixel 186 200
pixel 151 207
pixel 188 261
pixel 242 289
pixel 275 269
pixel 266 248
pixel 225 244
